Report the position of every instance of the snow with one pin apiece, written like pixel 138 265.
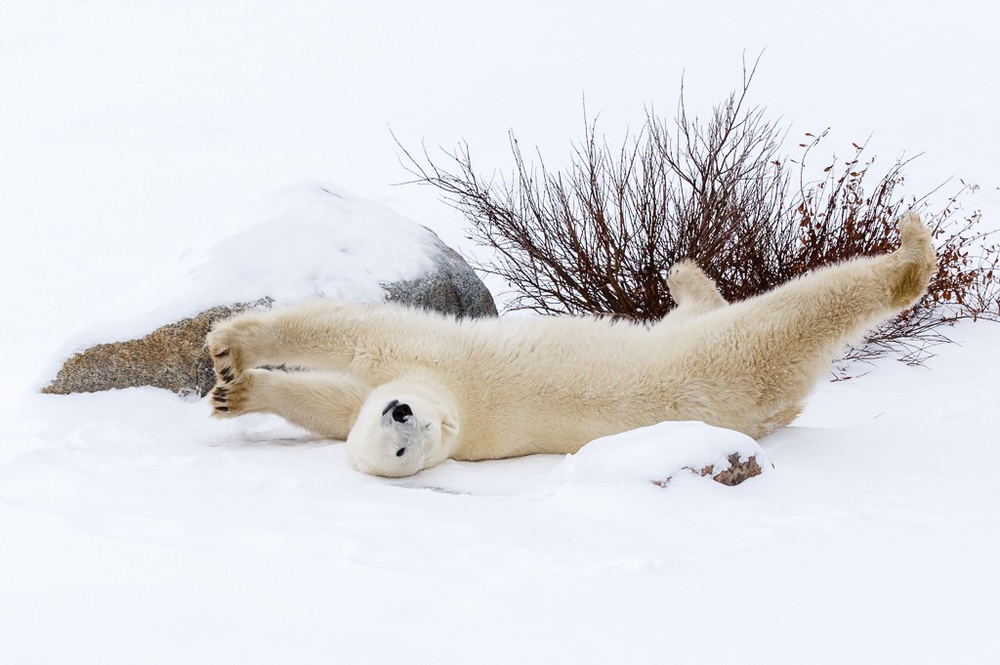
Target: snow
pixel 136 529
pixel 655 455
pixel 302 240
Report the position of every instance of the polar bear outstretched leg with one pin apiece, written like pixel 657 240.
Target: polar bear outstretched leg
pixel 694 292
pixel 837 304
pixel 773 348
pixel 314 334
pixel 320 335
pixel 326 403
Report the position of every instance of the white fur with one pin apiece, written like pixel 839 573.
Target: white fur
pixel 494 388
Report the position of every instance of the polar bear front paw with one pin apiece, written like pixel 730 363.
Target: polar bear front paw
pixel 225 343
pixel 232 398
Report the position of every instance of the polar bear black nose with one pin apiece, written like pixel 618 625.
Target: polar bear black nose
pixel 400 412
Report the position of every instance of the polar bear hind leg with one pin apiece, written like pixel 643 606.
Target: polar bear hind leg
pixel 838 304
pixel 773 348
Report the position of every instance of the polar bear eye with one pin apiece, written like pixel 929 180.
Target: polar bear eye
pixel 401 452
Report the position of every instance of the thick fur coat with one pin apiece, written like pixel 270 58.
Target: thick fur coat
pixel 408 389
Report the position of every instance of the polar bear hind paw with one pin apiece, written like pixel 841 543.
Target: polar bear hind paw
pixel 913 233
pixel 690 286
pixel 686 280
pixel 914 263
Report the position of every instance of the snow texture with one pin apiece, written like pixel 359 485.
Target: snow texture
pixel 135 529
pixel 304 240
pixel 656 454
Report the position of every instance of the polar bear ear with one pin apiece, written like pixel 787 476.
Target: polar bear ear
pixel 449 426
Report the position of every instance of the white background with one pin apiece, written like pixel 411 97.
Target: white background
pixel 133 529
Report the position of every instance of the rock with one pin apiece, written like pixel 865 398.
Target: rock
pixel 305 241
pixel 737 471
pixel 172 357
pixel 452 288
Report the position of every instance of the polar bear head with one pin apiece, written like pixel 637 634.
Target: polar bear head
pixel 401 432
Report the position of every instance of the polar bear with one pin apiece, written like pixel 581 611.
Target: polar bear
pixel 408 389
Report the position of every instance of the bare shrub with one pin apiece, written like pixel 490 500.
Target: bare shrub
pixel 598 238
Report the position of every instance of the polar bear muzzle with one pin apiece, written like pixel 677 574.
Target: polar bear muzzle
pixel 400 412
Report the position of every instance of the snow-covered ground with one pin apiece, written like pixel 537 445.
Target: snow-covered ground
pixel 134 529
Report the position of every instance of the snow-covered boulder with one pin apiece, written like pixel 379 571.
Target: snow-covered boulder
pixel 306 240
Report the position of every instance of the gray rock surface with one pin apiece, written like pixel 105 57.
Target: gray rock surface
pixel 452 288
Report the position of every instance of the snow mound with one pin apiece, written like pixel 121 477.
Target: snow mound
pixel 302 240
pixel 652 455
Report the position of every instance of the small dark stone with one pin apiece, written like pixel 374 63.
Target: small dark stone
pixel 738 471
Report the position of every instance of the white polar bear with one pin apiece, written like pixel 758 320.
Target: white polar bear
pixel 409 389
